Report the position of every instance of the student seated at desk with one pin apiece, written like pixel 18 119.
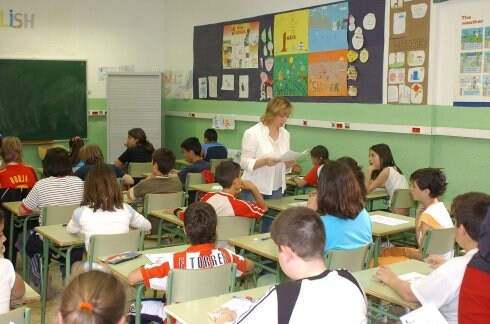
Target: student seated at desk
pixel 103 209
pixel 93 297
pixel 357 169
pixel 316 295
pixel 340 200
pixel 11 284
pixel 442 286
pixel 76 143
pixel 163 161
pixel 91 155
pixel 139 149
pixel 16 174
pixel 211 149
pixel 57 188
pixel 426 185
pixel 191 148
pixel 200 222
pixel 319 156
pixel 383 172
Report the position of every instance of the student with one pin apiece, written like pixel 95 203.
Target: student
pixel 163 161
pixel 211 149
pixel 58 188
pixel 200 222
pixel 93 297
pixel 474 302
pixel 316 294
pixel 16 174
pixel 383 172
pixel 76 143
pixel 139 149
pixel 11 284
pixel 319 156
pixel 426 185
pixel 340 200
pixel 442 285
pixel 92 155
pixel 103 210
pixel 357 169
pixel 191 148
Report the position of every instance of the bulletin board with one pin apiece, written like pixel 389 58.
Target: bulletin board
pixel 327 53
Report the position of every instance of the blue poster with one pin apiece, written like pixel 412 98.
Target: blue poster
pixel 327 28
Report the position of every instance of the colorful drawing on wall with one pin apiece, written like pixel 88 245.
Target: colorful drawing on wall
pixel 487 37
pixel 486 62
pixel 291 75
pixel 471 62
pixel 328 27
pixel 291 32
pixel 203 88
pixel 470 85
pixel 396 59
pixel 471 38
pixel 327 73
pixel 486 85
pixel 241 46
pixel 266 61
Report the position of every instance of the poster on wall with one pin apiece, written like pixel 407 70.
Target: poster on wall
pixel 408 52
pixel 240 45
pixel 472 86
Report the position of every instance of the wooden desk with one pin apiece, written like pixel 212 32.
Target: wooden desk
pixel 19 221
pixel 56 238
pixel 182 163
pixel 379 193
pixel 31 296
pixel 281 204
pixel 375 288
pixel 195 311
pixel 206 187
pixel 261 245
pixel 173 220
pixel 382 230
pixel 122 271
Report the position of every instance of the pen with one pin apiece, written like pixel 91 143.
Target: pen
pixel 64 225
pixel 265 238
pixel 302 199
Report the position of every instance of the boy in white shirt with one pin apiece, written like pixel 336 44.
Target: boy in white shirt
pixel 442 286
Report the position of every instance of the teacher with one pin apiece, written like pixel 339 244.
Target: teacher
pixel 262 147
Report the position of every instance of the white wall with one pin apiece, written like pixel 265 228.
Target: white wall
pixel 106 33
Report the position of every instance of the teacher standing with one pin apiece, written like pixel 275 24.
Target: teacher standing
pixel 262 146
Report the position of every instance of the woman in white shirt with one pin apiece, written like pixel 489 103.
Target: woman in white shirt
pixel 262 146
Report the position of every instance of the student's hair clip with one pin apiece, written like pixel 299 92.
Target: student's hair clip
pixel 76 138
pixel 87 305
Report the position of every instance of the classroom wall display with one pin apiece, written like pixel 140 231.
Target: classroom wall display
pixel 43 99
pixel 326 53
pixel 408 52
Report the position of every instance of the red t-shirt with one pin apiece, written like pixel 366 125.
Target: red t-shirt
pixel 474 297
pixel 311 177
pixel 17 176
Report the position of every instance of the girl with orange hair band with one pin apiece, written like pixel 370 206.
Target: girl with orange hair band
pixel 93 297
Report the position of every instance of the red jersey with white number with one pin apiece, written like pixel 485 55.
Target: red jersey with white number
pixel 227 205
pixel 17 176
pixel 195 257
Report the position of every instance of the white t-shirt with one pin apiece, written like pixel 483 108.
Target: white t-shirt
pixel 7 281
pixel 325 298
pixel 395 180
pixel 436 216
pixel 442 285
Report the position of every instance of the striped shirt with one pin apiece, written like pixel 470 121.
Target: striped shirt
pixel 54 191
pixel 195 257
pixel 226 205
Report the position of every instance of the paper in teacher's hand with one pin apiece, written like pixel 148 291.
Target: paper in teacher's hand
pixel 293 156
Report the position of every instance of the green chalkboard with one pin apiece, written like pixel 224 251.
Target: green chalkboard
pixel 43 99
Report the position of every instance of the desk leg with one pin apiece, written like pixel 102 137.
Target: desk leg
pixel 377 243
pixel 139 296
pixel 159 239
pixel 24 244
pixel 11 238
pixel 44 279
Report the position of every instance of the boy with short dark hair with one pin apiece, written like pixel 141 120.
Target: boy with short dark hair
pixel 316 295
pixel 191 148
pixel 163 161
pixel 200 222
pixel 217 151
pixel 442 286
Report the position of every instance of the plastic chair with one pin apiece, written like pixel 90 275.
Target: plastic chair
pixel 352 260
pixel 402 199
pixel 438 241
pixel 136 170
pixel 192 179
pixel 109 244
pixel 17 316
pixel 215 162
pixel 182 283
pixel 234 226
pixel 53 215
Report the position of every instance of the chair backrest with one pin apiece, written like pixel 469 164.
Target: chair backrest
pixel 234 226
pixel 215 162
pixel 182 283
pixel 136 169
pixel 438 241
pixel 109 244
pixel 53 215
pixel 43 149
pixel 162 201
pixel 402 198
pixel 17 316
pixel 191 179
pixel 216 152
pixel 352 260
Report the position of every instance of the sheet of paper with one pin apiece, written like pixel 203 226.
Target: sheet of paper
pixel 427 314
pixel 237 304
pixel 387 220
pixel 228 82
pixel 293 156
pixel 159 258
pixel 217 187
pixel 411 276
pixel 298 204
pixel 213 86
pixel 243 86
